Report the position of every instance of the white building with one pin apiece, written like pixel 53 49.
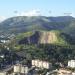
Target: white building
pixel 20 69
pixel 73 73
pixel 71 63
pixel 3 73
pixel 5 41
pixel 41 64
pixel 64 72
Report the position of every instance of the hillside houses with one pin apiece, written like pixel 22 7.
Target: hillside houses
pixel 4 40
pixel 41 64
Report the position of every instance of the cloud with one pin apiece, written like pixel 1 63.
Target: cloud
pixel 2 18
pixel 30 13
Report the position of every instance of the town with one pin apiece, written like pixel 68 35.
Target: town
pixel 20 66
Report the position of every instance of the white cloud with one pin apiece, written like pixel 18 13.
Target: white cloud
pixel 30 13
pixel 2 18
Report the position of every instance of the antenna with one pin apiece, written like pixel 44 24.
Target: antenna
pixel 16 12
pixel 50 12
pixel 67 14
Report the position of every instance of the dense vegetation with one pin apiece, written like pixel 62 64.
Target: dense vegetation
pixel 56 52
pixel 7 57
pixel 49 52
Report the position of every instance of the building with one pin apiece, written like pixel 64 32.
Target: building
pixel 71 63
pixel 4 40
pixel 20 69
pixel 64 72
pixel 3 73
pixel 41 64
pixel 73 73
pixel 17 69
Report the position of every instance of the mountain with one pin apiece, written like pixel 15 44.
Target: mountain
pixel 70 29
pixel 21 24
pixel 61 18
pixel 45 37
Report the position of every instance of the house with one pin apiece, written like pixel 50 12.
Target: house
pixel 41 64
pixel 3 73
pixel 2 55
pixel 4 40
pixel 73 73
pixel 71 63
pixel 17 69
pixel 20 69
pixel 64 72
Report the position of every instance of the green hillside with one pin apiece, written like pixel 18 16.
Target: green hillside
pixel 44 37
pixel 70 29
pixel 33 45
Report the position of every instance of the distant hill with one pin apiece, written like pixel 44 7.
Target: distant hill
pixel 70 29
pixel 24 24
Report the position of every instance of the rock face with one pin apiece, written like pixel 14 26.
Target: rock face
pixel 33 39
pixel 48 37
pixel 43 37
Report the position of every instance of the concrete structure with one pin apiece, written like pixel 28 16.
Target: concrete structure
pixel 4 41
pixel 41 64
pixel 71 63
pixel 21 69
pixel 16 69
pixel 73 73
pixel 3 73
pixel 64 72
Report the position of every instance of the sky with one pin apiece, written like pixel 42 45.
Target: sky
pixel 10 8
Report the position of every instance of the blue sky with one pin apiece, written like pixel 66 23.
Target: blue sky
pixel 57 7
